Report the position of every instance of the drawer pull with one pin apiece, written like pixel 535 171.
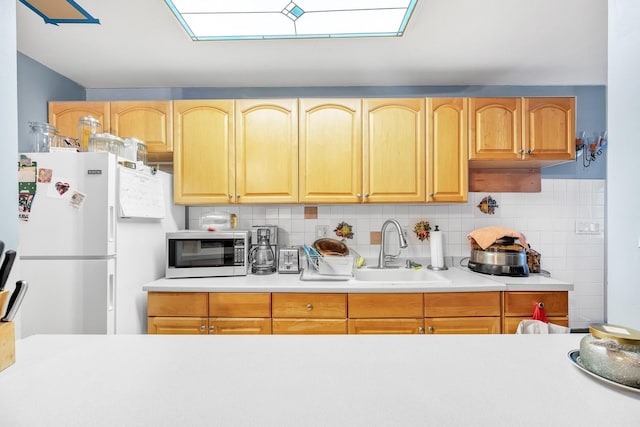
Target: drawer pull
pixel 309 307
pixel 202 328
pixel 212 329
pixel 421 330
pixel 431 329
pixel 541 304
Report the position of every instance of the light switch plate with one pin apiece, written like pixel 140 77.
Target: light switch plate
pixel 587 227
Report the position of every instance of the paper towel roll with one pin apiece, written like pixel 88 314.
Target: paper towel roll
pixel 437 255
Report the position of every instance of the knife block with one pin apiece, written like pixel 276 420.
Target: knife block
pixel 7 336
pixel 7 345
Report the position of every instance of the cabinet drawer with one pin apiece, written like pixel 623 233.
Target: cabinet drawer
pixel 452 304
pixel 510 324
pixel 177 304
pixel 177 325
pixel 310 326
pixel 524 303
pixel 463 325
pixel 309 305
pixel 239 304
pixel 239 326
pixel 386 326
pixel 385 305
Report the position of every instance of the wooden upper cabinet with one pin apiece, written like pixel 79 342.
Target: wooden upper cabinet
pixel 549 128
pixel 330 150
pixel 65 115
pixel 447 141
pixel 149 121
pixel 495 126
pixel 394 150
pixel 266 143
pixel 204 156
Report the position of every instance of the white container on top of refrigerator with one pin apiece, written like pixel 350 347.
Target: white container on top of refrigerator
pixel 86 265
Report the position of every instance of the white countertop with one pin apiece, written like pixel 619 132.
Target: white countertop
pixel 348 380
pixel 456 279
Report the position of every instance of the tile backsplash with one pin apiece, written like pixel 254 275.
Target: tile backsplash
pixel 564 222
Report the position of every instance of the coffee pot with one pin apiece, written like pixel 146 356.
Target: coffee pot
pixel 262 258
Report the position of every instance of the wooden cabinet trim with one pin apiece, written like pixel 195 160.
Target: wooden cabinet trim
pixel 177 304
pixel 239 304
pixel 456 304
pixel 385 305
pixel 308 305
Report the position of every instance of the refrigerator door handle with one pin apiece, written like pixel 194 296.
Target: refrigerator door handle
pixel 110 292
pixel 112 224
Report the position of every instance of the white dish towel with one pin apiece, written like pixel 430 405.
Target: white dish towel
pixel 540 327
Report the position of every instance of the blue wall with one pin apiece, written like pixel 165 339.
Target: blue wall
pixel 38 84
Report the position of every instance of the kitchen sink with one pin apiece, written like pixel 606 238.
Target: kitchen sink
pixel 373 274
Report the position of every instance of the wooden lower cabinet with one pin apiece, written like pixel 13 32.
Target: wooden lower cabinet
pixel 462 325
pixel 239 326
pixel 462 312
pixel 353 313
pixel 520 305
pixel 309 326
pixel 177 325
pixel 308 313
pixel 386 326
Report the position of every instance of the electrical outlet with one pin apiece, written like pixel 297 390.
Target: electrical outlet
pixel 322 231
pixel 587 227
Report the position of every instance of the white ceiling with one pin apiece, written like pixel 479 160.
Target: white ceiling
pixel 447 42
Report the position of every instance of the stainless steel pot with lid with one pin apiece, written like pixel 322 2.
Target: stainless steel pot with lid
pixel 505 257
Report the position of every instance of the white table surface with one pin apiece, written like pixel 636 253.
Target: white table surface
pixel 375 380
pixel 460 279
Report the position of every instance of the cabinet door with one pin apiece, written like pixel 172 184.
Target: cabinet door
pixel 549 128
pixel 203 158
pixel 149 121
pixel 458 304
pixel 266 151
pixel 330 159
pixel 495 128
pixel 239 326
pixel 309 326
pixel 177 304
pixel 394 150
pixel 308 305
pixel 447 172
pixel 240 304
pixel 177 325
pixel 386 326
pixel 463 325
pixel 556 303
pixel 65 115
pixel 388 305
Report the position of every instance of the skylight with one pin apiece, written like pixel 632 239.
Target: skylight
pixel 287 19
pixel 60 12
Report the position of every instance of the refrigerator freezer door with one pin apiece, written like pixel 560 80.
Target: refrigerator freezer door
pixel 57 228
pixel 69 297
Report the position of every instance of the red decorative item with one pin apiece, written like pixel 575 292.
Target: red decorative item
pixel 539 314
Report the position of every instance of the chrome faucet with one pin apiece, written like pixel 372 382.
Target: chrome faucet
pixel 382 258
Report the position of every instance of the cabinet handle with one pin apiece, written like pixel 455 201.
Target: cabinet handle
pixel 230 196
pixel 431 194
pixel 237 196
pixel 309 307
pixel 541 304
pixel 522 151
pixel 430 329
pixel 359 196
pixel 366 194
pixel 529 151
pixel 202 328
pixel 421 330
pixel 212 329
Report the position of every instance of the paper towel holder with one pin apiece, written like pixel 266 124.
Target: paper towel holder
pixel 443 266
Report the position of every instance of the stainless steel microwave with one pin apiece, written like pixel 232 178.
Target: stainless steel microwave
pixel 196 253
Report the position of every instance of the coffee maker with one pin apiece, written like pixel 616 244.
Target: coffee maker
pixel 264 249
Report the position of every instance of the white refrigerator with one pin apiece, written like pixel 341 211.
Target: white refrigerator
pixel 92 235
